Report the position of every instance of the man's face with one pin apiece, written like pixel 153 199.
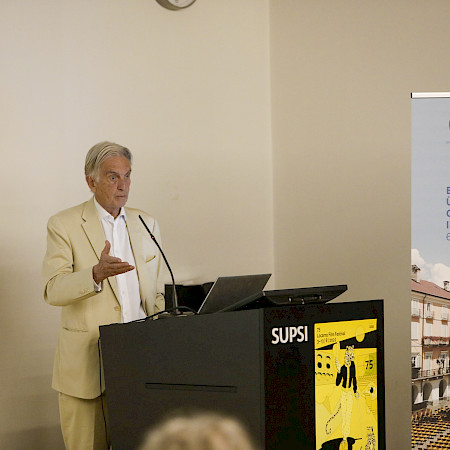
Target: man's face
pixel 113 183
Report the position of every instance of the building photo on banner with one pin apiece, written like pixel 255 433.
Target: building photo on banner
pixel 430 270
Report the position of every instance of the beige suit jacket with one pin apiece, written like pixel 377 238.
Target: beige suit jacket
pixel 75 240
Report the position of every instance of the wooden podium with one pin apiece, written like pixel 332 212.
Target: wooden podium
pixel 279 370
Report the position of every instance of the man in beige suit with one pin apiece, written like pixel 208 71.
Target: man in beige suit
pixel 101 267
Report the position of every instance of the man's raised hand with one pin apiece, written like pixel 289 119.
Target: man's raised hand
pixel 108 266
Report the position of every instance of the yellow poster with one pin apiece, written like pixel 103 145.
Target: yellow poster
pixel 345 355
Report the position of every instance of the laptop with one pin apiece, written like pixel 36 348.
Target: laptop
pixel 226 292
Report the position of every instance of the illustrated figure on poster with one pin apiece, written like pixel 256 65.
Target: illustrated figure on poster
pixel 370 444
pixel 325 376
pixel 346 378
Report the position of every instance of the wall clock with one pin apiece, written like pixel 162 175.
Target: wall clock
pixel 175 5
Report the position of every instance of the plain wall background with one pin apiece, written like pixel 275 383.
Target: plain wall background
pixel 269 136
pixel 188 92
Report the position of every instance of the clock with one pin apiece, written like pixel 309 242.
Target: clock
pixel 175 5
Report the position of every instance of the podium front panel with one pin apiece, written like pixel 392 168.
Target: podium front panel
pixel 324 376
pixel 207 363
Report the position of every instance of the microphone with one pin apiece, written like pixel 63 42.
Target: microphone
pixel 174 291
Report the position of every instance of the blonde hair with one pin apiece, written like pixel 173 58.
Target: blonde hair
pixel 198 432
pixel 99 153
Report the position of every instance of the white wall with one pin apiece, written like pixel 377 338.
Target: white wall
pixel 188 92
pixel 342 74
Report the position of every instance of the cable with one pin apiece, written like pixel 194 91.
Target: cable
pixel 168 310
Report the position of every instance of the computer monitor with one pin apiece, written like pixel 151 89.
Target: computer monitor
pixel 304 296
pixel 289 297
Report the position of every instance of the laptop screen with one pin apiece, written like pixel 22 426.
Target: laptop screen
pixel 227 291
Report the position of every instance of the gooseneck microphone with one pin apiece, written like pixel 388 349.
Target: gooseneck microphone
pixel 174 291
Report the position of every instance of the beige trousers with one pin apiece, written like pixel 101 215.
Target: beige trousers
pixel 83 423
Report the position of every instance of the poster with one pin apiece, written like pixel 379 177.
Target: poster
pixel 324 377
pixel 346 410
pixel 430 186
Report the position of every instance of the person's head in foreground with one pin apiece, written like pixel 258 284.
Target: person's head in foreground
pixel 198 432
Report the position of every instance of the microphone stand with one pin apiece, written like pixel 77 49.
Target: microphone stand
pixel 175 307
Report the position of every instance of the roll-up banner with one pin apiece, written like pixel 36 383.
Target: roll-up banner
pixel 430 185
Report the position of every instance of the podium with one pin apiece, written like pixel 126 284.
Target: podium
pixel 297 377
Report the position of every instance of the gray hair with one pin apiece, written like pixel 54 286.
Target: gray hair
pixel 99 153
pixel 198 432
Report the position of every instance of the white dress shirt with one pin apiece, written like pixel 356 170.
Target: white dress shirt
pixel 127 283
